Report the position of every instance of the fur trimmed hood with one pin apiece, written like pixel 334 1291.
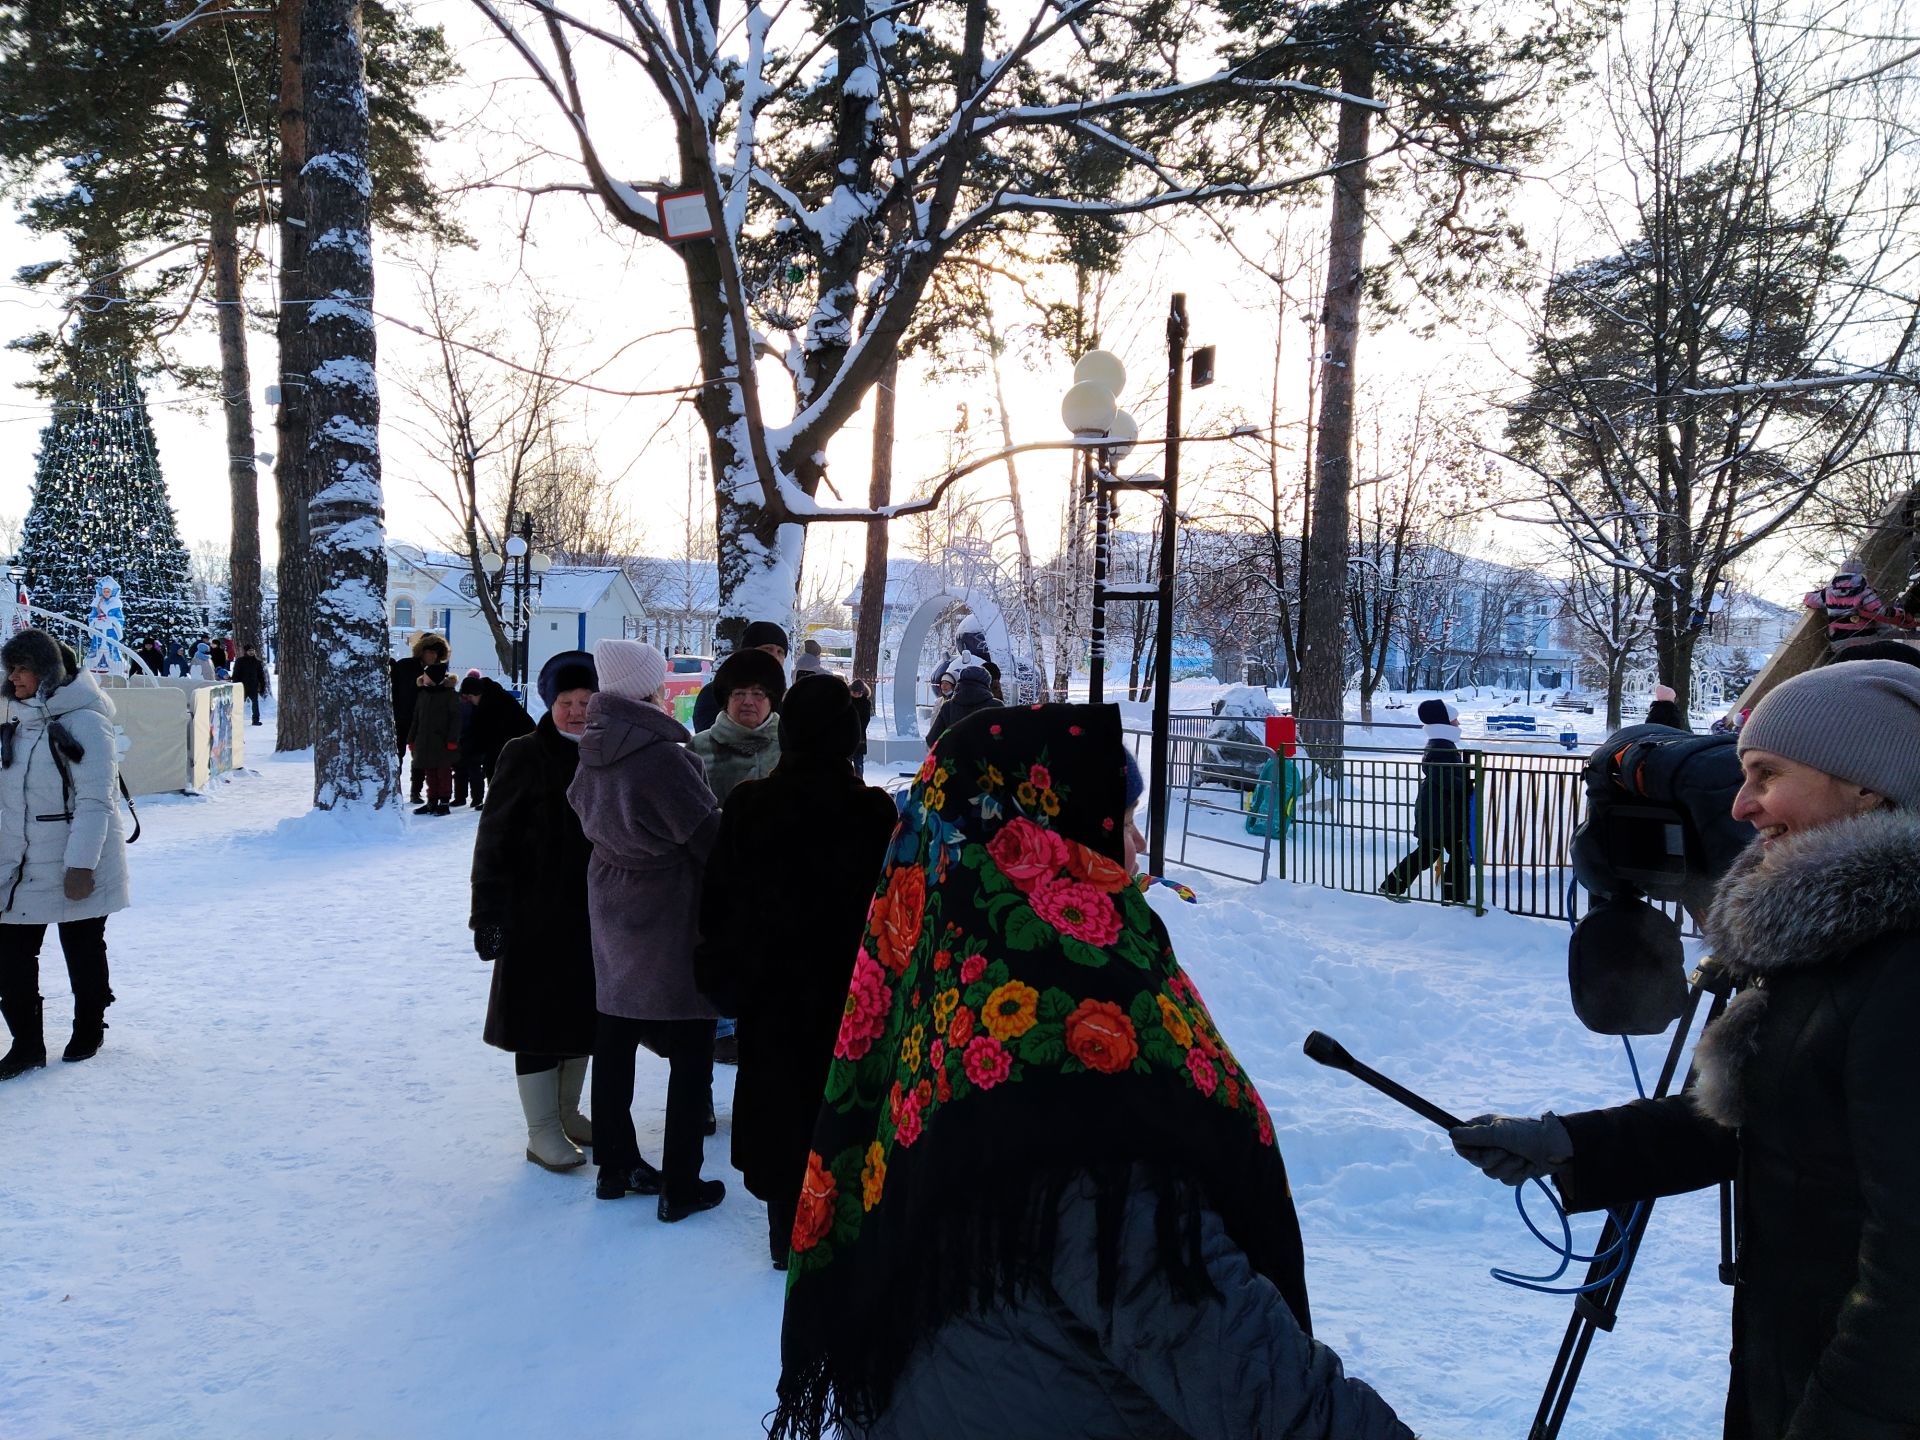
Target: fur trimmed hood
pixel 1807 900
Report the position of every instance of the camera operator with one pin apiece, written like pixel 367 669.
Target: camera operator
pixel 1804 1086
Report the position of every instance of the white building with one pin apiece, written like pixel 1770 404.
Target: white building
pixel 574 606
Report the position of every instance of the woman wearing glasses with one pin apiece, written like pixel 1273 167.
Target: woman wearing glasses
pixel 63 859
pixel 743 743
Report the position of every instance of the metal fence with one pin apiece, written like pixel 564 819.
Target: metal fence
pixel 1357 833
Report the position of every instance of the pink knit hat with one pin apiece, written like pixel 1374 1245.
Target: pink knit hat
pixel 631 668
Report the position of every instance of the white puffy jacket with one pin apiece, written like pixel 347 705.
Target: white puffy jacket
pixel 45 830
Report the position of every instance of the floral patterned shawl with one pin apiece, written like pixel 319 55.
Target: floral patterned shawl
pixel 1016 1019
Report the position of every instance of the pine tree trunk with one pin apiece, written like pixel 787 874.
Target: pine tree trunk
pixel 236 385
pixel 1320 692
pixel 873 579
pixel 353 756
pixel 293 611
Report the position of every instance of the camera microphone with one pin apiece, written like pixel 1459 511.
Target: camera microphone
pixel 1325 1050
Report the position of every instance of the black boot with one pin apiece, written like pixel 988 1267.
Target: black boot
pixel 89 1032
pixel 29 1050
pixel 703 1195
pixel 643 1179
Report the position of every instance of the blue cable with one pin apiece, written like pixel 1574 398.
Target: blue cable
pixel 1544 1284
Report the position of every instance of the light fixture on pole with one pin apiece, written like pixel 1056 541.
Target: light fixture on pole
pixel 1091 410
pixel 1531 651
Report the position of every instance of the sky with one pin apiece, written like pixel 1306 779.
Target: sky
pixel 627 324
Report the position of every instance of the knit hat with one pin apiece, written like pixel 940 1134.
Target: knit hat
pixel 1859 722
pixel 569 670
pixel 750 667
pixel 631 668
pixel 1136 786
pixel 763 632
pixel 1440 719
pixel 818 718
pixel 471 684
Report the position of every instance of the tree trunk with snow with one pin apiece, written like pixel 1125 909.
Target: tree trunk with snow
pixel 243 551
pixel 293 610
pixel 353 760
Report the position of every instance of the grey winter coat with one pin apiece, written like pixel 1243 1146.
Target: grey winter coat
pixel 645 806
pixel 47 829
pixel 733 753
pixel 1147 1365
pixel 1805 1098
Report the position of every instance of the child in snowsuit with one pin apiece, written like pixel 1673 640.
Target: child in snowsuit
pixel 1855 611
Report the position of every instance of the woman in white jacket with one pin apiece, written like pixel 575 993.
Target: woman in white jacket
pixel 63 857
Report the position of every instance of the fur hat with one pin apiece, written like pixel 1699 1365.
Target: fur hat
pixel 818 718
pixel 763 632
pixel 39 652
pixel 427 638
pixel 569 670
pixel 750 667
pixel 631 668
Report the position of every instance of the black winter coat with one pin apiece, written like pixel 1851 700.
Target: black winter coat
pixel 490 724
pixel 530 877
pixel 402 675
pixel 785 896
pixel 1443 808
pixel 251 675
pixel 1805 1097
pixel 968 698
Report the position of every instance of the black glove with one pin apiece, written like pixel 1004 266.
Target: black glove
pixel 1513 1149
pixel 490 941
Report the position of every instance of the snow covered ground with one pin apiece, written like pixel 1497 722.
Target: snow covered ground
pixel 288 1197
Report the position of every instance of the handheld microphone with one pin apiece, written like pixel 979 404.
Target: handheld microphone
pixel 1325 1050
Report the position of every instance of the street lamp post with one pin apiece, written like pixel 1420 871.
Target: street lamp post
pixel 1531 649
pixel 526 577
pixel 1091 412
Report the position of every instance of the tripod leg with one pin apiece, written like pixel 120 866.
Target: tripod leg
pixel 1590 1313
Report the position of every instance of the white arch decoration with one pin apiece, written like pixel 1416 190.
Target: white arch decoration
pixel 928 613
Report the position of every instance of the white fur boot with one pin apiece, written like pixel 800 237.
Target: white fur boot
pixel 547 1143
pixel 573 1079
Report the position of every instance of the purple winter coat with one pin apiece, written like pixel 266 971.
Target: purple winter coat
pixel 643 801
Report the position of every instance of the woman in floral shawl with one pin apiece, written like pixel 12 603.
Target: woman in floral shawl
pixel 1043 1199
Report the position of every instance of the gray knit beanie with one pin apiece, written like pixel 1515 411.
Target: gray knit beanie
pixel 1859 721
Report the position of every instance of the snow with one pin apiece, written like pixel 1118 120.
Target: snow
pixel 288 1197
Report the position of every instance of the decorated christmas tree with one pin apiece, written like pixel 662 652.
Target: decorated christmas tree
pixel 100 507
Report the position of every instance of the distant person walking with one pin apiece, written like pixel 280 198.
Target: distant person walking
pixel 250 673
pixel 1442 812
pixel 63 859
pixel 972 692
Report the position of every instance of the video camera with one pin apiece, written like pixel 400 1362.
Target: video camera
pixel 1659 827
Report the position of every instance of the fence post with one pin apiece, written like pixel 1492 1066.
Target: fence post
pixel 1476 781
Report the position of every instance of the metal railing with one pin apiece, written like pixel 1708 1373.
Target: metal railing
pixel 1357 833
